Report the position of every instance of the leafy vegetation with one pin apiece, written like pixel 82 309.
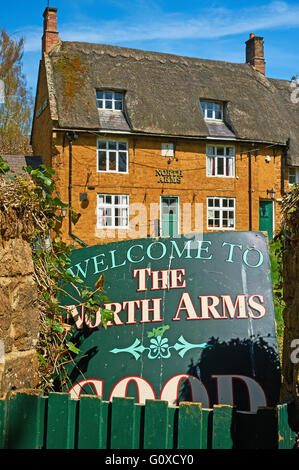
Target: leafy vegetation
pixel 289 234
pixel 275 257
pixel 30 208
pixel 286 239
pixel 16 111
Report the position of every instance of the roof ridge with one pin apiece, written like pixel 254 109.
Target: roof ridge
pixel 132 51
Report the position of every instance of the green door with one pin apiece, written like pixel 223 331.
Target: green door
pixel 169 216
pixel 266 218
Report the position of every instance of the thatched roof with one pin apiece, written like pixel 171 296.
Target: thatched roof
pixel 163 92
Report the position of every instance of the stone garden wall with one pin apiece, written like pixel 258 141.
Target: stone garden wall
pixel 19 317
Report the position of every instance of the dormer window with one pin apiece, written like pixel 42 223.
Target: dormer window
pixel 212 110
pixel 111 100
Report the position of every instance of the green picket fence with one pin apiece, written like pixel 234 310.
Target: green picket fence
pixel 30 421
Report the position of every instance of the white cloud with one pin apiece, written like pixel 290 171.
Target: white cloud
pixel 211 23
pixel 32 39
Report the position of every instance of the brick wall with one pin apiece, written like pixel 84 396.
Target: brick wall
pixel 50 37
pixel 42 125
pixel 255 53
pixel 141 183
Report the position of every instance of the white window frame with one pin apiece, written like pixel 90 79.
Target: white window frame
pixel 212 158
pixel 113 100
pixel 101 217
pixel 205 105
pixel 221 208
pixel 296 175
pixel 108 151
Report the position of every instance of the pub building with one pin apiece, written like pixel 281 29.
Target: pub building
pixel 148 144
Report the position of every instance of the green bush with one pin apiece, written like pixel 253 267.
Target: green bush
pixel 275 257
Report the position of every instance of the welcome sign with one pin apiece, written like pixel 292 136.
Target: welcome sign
pixel 193 321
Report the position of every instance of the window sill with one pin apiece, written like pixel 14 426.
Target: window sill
pixel 114 172
pixel 113 227
pixel 219 176
pixel 110 110
pixel 221 229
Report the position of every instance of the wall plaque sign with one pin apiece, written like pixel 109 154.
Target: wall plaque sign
pixel 194 321
pixel 169 176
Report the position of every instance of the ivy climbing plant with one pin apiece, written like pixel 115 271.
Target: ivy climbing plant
pixel 285 240
pixel 288 235
pixel 290 211
pixel 30 208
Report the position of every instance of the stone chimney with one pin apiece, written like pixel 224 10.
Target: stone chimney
pixel 50 36
pixel 255 53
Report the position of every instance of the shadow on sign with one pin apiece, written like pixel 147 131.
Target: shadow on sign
pixel 80 366
pixel 252 359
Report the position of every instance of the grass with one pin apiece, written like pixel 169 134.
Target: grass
pixel 277 292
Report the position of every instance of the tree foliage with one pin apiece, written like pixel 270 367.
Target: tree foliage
pixel 30 208
pixel 16 111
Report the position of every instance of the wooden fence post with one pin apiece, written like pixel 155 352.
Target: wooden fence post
pixel 105 430
pixel 61 421
pixel 172 433
pixel 26 421
pixel 223 427
pixel 190 426
pixel 156 424
pixel 3 418
pixel 89 422
pixel 286 436
pixel 31 421
pixel 122 423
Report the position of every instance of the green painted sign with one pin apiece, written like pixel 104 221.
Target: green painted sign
pixel 193 321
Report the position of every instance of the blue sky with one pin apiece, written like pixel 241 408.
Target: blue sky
pixel 206 29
